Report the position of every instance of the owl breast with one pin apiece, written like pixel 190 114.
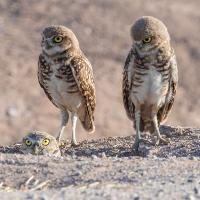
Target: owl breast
pixel 148 88
pixel 63 88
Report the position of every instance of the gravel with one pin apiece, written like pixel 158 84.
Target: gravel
pixel 107 169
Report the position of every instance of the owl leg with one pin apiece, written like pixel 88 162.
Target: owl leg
pixel 64 120
pixel 157 131
pixel 74 121
pixel 137 124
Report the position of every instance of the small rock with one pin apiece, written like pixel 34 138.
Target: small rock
pixel 196 191
pixel 103 155
pixel 78 173
pixel 136 197
pixel 94 157
pixel 193 158
pixel 74 156
pixel 190 197
pixel 190 180
pixel 88 152
pixel 43 197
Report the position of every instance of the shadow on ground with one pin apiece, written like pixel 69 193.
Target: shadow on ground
pixel 184 142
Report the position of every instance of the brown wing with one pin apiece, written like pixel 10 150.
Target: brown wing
pixel 165 109
pixel 128 105
pixel 83 74
pixel 43 74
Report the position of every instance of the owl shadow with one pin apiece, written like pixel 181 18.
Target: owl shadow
pixel 185 142
pixel 106 147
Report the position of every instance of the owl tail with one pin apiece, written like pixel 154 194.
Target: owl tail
pixel 87 121
pixel 88 125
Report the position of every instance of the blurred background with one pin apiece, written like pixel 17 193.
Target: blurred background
pixel 103 29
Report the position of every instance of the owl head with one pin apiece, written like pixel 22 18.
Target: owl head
pixel 40 143
pixel 149 33
pixel 58 39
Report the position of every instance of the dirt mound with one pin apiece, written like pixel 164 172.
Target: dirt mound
pixel 107 169
pixel 102 28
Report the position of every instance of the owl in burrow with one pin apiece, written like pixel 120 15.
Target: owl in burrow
pixel 40 143
pixel 66 76
pixel 150 77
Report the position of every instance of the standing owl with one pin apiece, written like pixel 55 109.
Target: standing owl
pixel 66 76
pixel 150 77
pixel 40 143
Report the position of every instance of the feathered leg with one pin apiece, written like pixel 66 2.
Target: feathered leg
pixel 137 125
pixel 74 121
pixel 64 120
pixel 157 131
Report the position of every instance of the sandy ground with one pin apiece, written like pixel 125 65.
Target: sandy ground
pixel 104 168
pixel 102 27
pixel 107 169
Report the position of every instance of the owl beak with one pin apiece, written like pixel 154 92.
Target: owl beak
pixel 36 149
pixel 47 44
pixel 138 44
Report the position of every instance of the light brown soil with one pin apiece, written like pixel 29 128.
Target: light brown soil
pixel 102 28
pixel 104 168
pixel 107 169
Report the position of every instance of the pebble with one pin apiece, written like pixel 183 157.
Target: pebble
pixel 74 156
pixel 94 157
pixel 196 191
pixel 78 173
pixel 103 155
pixel 136 197
pixel 190 197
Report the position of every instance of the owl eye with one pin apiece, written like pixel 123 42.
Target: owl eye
pixel 45 142
pixel 28 142
pixel 147 40
pixel 58 39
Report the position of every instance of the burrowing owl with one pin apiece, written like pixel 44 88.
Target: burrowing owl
pixel 66 76
pixel 40 143
pixel 150 77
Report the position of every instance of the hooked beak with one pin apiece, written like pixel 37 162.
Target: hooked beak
pixel 138 44
pixel 46 44
pixel 36 149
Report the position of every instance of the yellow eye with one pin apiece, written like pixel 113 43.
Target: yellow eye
pixel 58 39
pixel 45 142
pixel 147 40
pixel 28 142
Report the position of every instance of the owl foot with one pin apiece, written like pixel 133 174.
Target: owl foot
pixel 137 143
pixel 161 140
pixel 74 143
pixel 62 143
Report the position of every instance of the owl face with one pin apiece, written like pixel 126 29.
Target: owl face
pixel 147 43
pixel 149 33
pixel 57 39
pixel 40 143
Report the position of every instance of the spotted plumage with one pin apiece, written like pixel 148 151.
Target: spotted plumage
pixel 66 76
pixel 150 77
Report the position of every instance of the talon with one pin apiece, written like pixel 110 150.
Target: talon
pixel 58 139
pixel 136 146
pixel 62 143
pixel 75 144
pixel 162 140
pixel 137 143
